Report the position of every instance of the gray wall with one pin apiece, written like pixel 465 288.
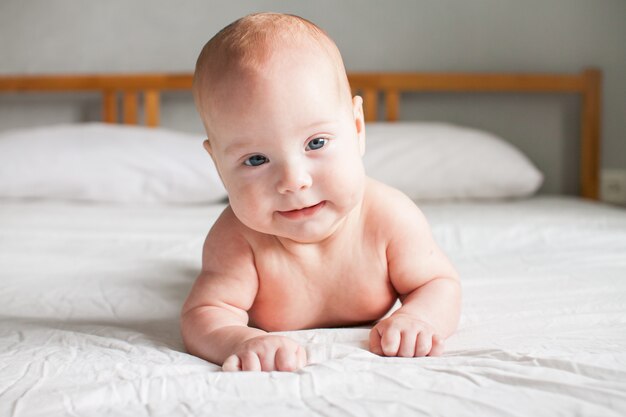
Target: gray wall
pixel 72 36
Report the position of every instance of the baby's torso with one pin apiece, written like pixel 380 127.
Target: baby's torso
pixel 348 284
pixel 345 289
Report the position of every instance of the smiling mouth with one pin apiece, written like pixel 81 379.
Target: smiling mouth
pixel 303 212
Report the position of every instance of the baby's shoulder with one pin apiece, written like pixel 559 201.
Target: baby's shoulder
pixel 391 209
pixel 228 249
pixel 226 225
pixel 227 234
pixel 383 200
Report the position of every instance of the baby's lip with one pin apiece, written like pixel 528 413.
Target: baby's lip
pixel 303 212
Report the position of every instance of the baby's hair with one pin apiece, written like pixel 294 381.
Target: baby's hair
pixel 249 43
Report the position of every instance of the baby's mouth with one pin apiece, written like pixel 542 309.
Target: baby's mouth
pixel 303 212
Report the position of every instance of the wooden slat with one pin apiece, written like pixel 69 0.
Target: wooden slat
pixel 392 105
pixel 96 82
pixel 590 135
pixel 468 82
pixel 401 81
pixel 131 105
pixel 370 104
pixel 151 106
pixel 109 106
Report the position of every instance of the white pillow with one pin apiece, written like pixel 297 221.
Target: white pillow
pixel 437 161
pixel 107 163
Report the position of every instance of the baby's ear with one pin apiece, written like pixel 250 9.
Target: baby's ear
pixel 207 145
pixel 359 120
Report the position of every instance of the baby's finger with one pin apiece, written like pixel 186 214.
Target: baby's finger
pixel 423 344
pixel 286 360
pixel 301 357
pixel 438 346
pixel 250 362
pixel 390 341
pixel 267 359
pixel 231 364
pixel 407 343
pixel 375 342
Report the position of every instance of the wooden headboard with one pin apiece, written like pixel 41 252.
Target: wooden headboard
pixel 143 90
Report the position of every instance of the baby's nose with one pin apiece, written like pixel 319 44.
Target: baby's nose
pixel 294 177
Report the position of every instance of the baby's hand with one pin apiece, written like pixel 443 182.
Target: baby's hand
pixel 266 353
pixel 404 335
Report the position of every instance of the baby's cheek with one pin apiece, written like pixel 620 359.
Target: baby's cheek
pixel 345 175
pixel 252 208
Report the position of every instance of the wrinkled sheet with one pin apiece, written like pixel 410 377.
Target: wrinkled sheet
pixel 90 297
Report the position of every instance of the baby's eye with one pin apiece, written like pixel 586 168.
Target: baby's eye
pixel 255 160
pixel 316 143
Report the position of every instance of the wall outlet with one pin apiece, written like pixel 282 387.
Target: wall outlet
pixel 613 186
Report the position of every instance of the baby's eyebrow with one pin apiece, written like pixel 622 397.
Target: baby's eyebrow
pixel 321 124
pixel 244 143
pixel 233 147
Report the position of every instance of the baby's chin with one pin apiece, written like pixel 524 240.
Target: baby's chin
pixel 302 232
pixel 306 237
pixel 309 232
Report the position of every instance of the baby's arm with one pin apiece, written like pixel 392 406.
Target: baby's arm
pixel 214 319
pixel 428 285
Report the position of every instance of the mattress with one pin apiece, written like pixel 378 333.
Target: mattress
pixel 90 297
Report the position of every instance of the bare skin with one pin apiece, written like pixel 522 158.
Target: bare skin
pixel 308 240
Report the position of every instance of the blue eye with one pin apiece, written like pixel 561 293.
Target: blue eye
pixel 316 143
pixel 255 161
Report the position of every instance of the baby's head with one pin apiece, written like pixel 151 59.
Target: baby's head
pixel 283 130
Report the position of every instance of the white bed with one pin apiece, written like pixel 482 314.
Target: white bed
pixel 90 299
pixel 100 244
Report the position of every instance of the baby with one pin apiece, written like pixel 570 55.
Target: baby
pixel 307 240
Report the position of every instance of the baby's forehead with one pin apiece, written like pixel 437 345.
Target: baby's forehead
pixel 264 63
pixel 255 37
pixel 253 43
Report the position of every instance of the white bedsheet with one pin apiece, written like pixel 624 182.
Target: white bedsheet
pixel 90 296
